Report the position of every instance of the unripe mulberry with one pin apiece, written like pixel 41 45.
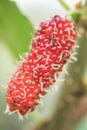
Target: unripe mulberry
pixel 50 50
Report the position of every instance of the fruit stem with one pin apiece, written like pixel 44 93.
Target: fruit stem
pixel 63 3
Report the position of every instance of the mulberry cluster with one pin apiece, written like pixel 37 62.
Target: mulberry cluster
pixel 51 49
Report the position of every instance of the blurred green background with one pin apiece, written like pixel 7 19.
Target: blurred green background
pixel 16 32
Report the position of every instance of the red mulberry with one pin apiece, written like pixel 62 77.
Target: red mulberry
pixel 51 48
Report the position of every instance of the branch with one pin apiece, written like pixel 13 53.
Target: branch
pixel 72 94
pixel 70 104
pixel 72 101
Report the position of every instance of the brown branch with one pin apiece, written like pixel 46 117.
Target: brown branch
pixel 72 102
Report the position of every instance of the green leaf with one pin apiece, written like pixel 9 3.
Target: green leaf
pixel 15 29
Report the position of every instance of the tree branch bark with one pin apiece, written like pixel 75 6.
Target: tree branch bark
pixel 72 102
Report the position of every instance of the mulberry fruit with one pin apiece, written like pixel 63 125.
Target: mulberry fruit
pixel 51 49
